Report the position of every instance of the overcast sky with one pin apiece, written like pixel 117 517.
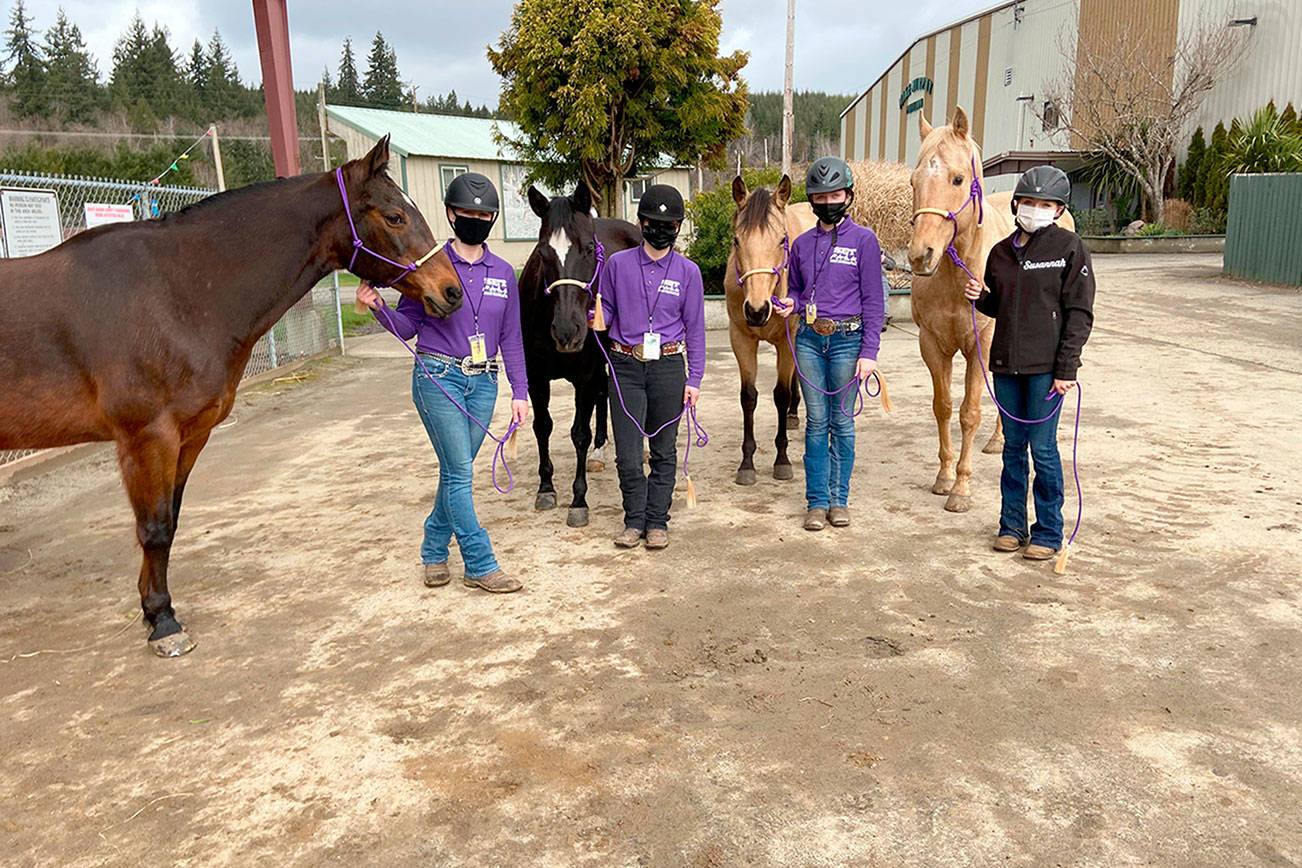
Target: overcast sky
pixel 841 45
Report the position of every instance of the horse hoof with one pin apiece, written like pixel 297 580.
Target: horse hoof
pixel 545 500
pixel 172 645
pixel 596 465
pixel 994 447
pixel 746 476
pixel 958 503
pixel 793 422
pixel 942 485
pixel 577 517
pixel 782 471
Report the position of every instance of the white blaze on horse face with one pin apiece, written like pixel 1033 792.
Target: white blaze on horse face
pixel 560 242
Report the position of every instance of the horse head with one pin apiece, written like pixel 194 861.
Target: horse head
pixel 387 222
pixel 760 246
pixel 942 181
pixel 567 245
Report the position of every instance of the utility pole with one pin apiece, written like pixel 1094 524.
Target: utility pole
pixel 217 158
pixel 414 109
pixel 788 116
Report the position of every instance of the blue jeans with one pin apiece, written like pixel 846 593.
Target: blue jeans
pixel 456 441
pixel 829 362
pixel 1023 395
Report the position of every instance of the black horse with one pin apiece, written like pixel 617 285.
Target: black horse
pixel 558 344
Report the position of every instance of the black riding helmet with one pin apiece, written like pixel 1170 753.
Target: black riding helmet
pixel 472 192
pixel 661 202
pixel 1042 182
pixel 827 175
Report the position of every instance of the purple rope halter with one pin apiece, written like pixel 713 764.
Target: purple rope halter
pixel 976 195
pixel 359 246
pixel 596 272
pixel 498 454
pixel 775 270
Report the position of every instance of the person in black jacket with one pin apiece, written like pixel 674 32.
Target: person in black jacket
pixel 1039 288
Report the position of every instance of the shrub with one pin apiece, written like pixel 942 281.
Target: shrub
pixel 1151 229
pixel 1092 221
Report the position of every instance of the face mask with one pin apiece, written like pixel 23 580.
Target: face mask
pixel 1033 218
pixel 471 230
pixel 659 234
pixel 830 212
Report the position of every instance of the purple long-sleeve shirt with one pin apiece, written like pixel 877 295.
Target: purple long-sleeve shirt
pixel 490 293
pixel 841 280
pixel 666 296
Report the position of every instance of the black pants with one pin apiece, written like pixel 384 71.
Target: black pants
pixel 653 394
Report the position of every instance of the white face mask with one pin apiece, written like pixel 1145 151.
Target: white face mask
pixel 1033 218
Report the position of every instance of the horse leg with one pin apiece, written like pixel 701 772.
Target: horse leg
pixel 793 408
pixel 783 398
pixel 581 436
pixel 540 395
pixel 746 349
pixel 969 417
pixel 941 367
pixel 150 461
pixel 597 460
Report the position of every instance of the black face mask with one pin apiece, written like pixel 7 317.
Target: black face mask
pixel 831 212
pixel 471 230
pixel 659 234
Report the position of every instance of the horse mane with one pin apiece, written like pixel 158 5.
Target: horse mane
pixel 754 212
pixel 228 197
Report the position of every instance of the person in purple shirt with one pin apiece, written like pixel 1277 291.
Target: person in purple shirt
pixel 835 285
pixel 653 303
pixel 460 351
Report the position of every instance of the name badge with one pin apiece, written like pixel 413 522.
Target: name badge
pixel 650 346
pixel 811 313
pixel 478 350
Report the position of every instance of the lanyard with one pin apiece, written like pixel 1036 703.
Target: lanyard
pixel 818 268
pixel 650 304
pixel 465 283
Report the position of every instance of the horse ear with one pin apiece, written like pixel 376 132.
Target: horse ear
pixel 739 191
pixel 582 198
pixel 960 121
pixel 537 201
pixel 784 191
pixel 377 161
pixel 924 127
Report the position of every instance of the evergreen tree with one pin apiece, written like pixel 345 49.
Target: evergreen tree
pixel 27 74
pixel 348 90
pixel 382 87
pixel 72 79
pixel 1212 187
pixel 195 76
pixel 225 93
pixel 1188 179
pixel 329 84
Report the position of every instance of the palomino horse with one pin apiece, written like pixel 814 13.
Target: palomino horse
pixel 763 229
pixel 557 289
pixel 142 330
pixel 950 207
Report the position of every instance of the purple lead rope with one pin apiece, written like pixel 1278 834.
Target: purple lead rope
pixel 854 381
pixel 498 454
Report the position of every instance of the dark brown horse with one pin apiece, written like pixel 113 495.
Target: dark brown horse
pixel 139 333
pixel 558 344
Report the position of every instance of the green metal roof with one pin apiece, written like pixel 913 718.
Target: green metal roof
pixel 428 134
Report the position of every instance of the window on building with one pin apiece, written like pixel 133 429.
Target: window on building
pixel 1050 116
pixel 637 188
pixel 447 173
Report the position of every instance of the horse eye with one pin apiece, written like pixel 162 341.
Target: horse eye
pixel 395 219
pixel 958 180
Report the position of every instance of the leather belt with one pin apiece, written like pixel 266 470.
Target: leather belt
pixel 466 366
pixel 672 348
pixel 827 327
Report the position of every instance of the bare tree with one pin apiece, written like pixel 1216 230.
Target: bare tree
pixel 1130 93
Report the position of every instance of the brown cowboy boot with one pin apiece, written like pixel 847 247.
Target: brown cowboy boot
pixel 495 583
pixel 839 516
pixel 629 538
pixel 816 519
pixel 437 575
pixel 657 538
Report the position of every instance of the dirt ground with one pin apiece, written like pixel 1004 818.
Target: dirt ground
pixel 891 693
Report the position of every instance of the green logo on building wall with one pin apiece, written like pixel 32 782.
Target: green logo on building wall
pixel 920 84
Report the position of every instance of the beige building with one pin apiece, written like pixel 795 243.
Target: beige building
pixel 429 150
pixel 996 64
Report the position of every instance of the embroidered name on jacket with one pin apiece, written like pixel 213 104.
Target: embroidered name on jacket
pixel 844 256
pixel 669 287
pixel 1053 263
pixel 494 287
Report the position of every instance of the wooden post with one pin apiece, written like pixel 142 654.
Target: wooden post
pixel 325 164
pixel 788 117
pixel 217 158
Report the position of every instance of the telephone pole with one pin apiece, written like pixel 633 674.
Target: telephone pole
pixel 788 116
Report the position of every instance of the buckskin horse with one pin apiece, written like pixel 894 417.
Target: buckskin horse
pixel 142 330
pixel 950 208
pixel 557 291
pixel 763 229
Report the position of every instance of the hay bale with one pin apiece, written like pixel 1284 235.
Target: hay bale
pixel 883 201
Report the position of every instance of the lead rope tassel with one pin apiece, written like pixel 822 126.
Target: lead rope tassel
pixel 599 316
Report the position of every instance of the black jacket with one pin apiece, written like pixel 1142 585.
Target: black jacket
pixel 1042 301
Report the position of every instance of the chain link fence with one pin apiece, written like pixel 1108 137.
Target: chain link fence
pixel 312 326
